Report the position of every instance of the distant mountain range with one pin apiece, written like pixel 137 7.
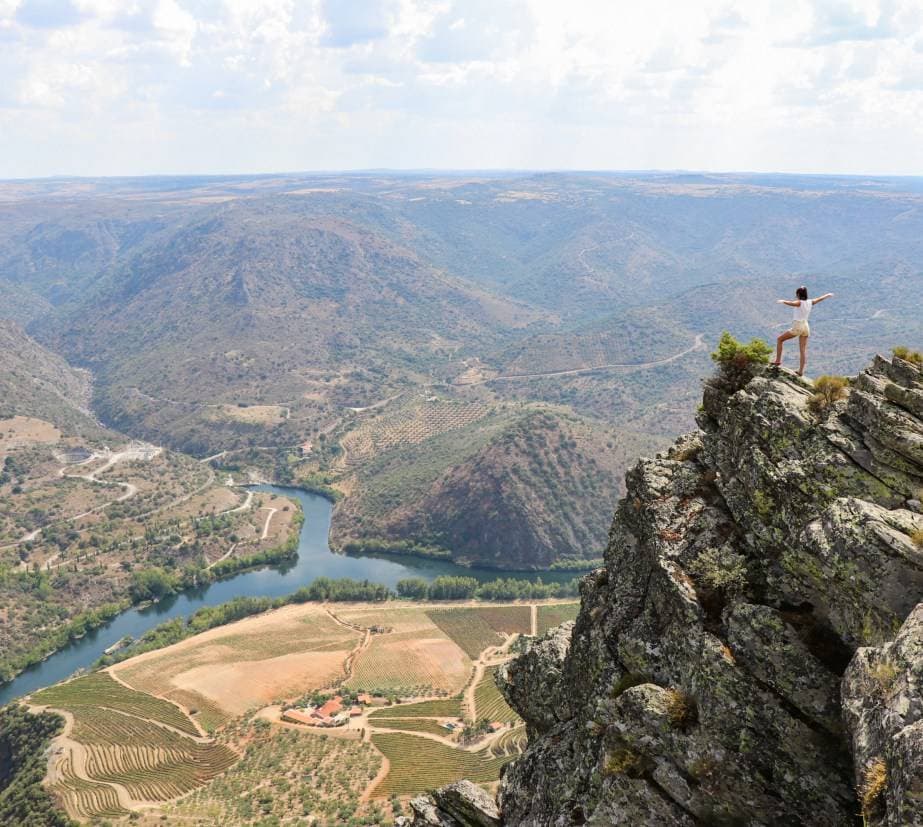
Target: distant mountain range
pixel 253 314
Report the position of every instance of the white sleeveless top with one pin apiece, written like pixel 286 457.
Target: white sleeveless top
pixel 803 310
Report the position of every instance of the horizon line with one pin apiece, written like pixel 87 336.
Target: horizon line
pixel 495 171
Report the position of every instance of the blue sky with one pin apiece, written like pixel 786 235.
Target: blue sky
pixel 114 87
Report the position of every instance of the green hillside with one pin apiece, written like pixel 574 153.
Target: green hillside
pixel 519 488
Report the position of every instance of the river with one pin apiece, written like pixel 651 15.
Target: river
pixel 314 560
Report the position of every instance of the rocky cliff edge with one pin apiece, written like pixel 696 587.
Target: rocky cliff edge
pixel 752 651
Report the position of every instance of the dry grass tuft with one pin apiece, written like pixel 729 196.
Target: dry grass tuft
pixel 828 390
pixel 884 674
pixel 625 761
pixel 681 709
pixel 873 784
pixel 908 355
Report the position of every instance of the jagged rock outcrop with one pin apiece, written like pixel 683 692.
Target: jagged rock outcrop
pixel 461 804
pixel 704 679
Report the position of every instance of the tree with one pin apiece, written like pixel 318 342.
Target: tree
pixel 152 584
pixel 413 588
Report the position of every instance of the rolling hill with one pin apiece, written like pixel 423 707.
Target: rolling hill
pixel 518 488
pixel 266 303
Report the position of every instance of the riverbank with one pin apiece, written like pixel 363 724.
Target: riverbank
pixel 314 559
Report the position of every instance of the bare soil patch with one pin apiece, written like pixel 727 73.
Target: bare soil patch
pixel 26 430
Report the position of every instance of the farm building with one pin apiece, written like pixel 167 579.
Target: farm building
pixel 306 447
pixel 496 726
pixel 355 711
pixel 298 716
pixel 330 708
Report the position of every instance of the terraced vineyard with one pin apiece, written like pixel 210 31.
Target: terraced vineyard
pixel 412 725
pixel 511 743
pixel 468 628
pixel 420 764
pixel 153 764
pixel 407 424
pixel 101 690
pixel 85 799
pixel 442 708
pixel 488 701
pixel 129 741
pixel 555 615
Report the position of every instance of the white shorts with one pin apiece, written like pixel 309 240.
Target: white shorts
pixel 800 328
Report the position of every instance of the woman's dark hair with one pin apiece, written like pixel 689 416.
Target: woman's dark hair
pixel 802 293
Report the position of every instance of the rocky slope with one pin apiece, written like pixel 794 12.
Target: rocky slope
pixel 752 652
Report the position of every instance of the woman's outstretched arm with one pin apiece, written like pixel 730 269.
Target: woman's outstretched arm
pixel 789 303
pixel 819 299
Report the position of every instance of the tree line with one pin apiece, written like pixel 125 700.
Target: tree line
pixel 340 590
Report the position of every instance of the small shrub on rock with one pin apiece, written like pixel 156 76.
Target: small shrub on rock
pixel 828 390
pixel 738 363
pixel 916 538
pixel 625 761
pixel 908 355
pixel 721 570
pixel 885 673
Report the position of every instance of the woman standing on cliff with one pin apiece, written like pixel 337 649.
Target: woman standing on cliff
pixel 800 327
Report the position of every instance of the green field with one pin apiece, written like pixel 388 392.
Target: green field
pixel 468 628
pixel 419 764
pixel 100 690
pixel 442 708
pixel 555 615
pixel 488 701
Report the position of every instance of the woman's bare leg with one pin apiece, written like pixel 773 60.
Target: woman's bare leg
pixel 781 340
pixel 803 348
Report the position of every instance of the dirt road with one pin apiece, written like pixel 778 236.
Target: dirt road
pixel 698 344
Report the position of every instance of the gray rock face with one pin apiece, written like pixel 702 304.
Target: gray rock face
pixel 883 708
pixel 745 568
pixel 462 804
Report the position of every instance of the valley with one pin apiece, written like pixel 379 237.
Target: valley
pixel 273 403
pixel 188 732
pixel 377 337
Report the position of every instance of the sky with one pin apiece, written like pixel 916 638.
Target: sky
pixel 138 87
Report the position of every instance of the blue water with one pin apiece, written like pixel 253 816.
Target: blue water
pixel 314 560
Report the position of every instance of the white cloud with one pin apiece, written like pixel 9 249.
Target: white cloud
pixel 134 86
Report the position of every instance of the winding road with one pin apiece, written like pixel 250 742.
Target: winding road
pixel 111 459
pixel 698 344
